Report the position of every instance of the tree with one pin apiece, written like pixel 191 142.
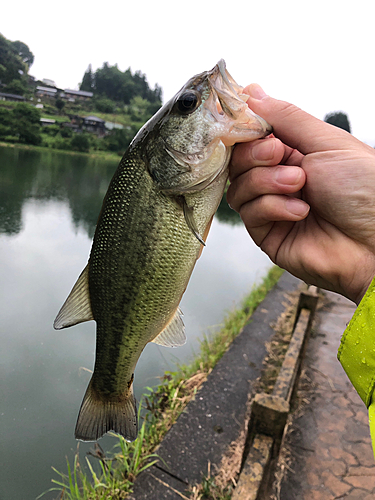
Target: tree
pixel 105 105
pixel 88 80
pixel 80 142
pixel 139 109
pixel 339 119
pixel 26 124
pixel 59 103
pixel 15 60
pixel 17 87
pixel 6 122
pixel 119 140
pixel 24 52
pixel 112 83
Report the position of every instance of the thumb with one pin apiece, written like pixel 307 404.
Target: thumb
pixel 295 127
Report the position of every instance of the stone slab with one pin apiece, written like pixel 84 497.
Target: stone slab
pixel 155 484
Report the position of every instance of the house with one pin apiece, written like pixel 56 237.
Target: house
pixel 91 124
pixel 72 95
pixel 94 124
pixel 46 91
pixel 49 83
pixel 11 97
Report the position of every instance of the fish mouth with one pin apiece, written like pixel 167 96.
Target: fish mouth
pixel 227 105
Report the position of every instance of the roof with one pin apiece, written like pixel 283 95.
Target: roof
pixel 82 93
pixel 47 121
pixel 46 89
pixel 12 96
pixel 93 119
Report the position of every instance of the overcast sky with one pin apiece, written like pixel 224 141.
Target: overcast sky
pixel 319 55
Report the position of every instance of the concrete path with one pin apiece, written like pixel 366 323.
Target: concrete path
pixel 328 449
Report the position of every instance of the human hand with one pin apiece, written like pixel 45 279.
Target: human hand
pixel 307 197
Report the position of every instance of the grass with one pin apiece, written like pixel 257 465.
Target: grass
pixel 162 406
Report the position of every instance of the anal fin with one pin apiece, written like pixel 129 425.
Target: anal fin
pixel 77 307
pixel 173 334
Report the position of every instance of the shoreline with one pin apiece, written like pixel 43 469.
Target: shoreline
pixel 100 154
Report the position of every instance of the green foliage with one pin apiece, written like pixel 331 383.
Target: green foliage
pixel 105 105
pixel 6 122
pixel 139 109
pixel 17 87
pixel 119 140
pixel 24 52
pixel 111 82
pixel 80 142
pixel 339 119
pixel 15 60
pixel 88 82
pixel 66 132
pixel 59 103
pixel 23 122
pixel 116 475
pixel 27 112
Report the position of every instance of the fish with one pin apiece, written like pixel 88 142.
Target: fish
pixel 151 230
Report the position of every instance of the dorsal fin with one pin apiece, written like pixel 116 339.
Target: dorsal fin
pixel 173 334
pixel 77 307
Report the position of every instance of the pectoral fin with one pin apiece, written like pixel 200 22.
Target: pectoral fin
pixel 189 218
pixel 77 307
pixel 173 334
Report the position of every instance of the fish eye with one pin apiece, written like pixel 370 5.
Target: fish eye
pixel 187 102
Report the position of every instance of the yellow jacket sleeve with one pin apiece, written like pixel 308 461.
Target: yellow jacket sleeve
pixel 357 353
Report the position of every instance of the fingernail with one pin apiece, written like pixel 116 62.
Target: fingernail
pixel 288 175
pixel 263 150
pixel 296 207
pixel 256 92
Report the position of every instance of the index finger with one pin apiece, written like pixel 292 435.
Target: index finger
pixel 295 127
pixel 262 152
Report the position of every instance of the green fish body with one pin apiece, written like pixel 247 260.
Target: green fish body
pixel 154 221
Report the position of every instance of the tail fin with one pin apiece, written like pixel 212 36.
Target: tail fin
pixel 98 416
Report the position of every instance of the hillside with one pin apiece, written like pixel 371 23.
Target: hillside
pixel 104 114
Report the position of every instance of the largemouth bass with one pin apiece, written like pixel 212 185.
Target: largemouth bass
pixel 152 227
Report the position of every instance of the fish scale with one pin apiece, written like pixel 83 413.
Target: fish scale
pixel 152 227
pixel 147 271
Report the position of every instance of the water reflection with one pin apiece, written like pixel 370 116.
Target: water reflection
pixel 79 180
pixel 49 203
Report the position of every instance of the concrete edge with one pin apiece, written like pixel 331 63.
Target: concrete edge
pixel 269 412
pixel 192 444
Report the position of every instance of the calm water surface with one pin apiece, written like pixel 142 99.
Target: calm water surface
pixel 49 204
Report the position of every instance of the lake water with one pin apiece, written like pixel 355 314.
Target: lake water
pixel 49 204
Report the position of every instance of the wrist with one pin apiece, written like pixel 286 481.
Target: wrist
pixel 365 273
pixel 363 291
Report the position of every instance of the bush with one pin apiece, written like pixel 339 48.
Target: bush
pixel 6 122
pixel 80 142
pixel 119 140
pixel 60 143
pixel 105 105
pixel 25 124
pixel 52 130
pixel 66 132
